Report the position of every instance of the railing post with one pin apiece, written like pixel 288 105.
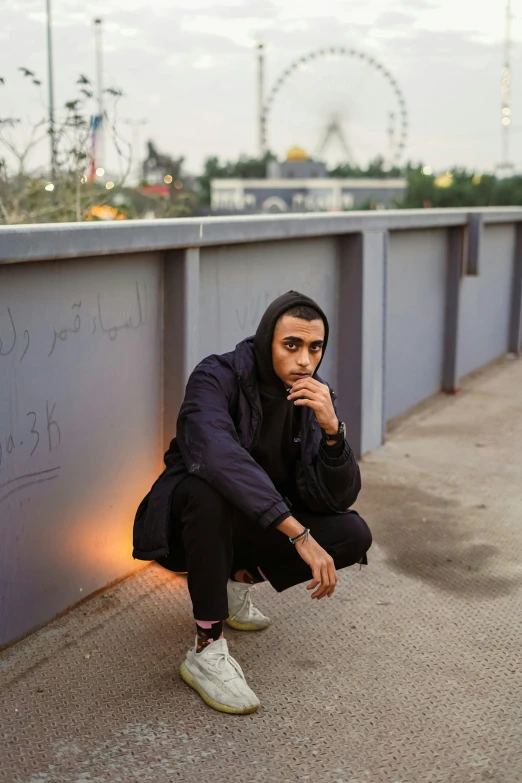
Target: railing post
pixel 362 275
pixel 515 324
pixel 454 266
pixel 180 331
pixel 475 232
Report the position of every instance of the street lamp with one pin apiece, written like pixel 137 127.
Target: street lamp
pixel 51 87
pixel 100 150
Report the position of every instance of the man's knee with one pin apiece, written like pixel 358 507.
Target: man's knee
pixel 357 541
pixel 364 534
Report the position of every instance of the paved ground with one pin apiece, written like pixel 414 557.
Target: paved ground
pixel 411 674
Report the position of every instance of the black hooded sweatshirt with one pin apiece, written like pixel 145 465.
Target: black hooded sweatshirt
pixel 277 449
pixel 222 424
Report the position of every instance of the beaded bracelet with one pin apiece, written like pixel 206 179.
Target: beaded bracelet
pixel 304 535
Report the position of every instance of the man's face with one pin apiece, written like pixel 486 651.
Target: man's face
pixel 297 348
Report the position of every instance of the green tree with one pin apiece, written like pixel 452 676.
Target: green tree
pixel 29 197
pixel 376 169
pixel 461 188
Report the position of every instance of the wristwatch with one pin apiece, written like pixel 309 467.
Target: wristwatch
pixel 339 436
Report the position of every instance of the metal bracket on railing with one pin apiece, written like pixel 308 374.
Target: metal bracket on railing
pixel 473 242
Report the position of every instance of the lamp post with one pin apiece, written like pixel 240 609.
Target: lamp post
pixel 51 87
pixel 506 168
pixel 261 98
pixel 100 147
pixel 506 89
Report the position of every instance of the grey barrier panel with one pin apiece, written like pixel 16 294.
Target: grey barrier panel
pixel 515 326
pixel 95 350
pixel 486 301
pixel 80 427
pixel 415 308
pixel 237 283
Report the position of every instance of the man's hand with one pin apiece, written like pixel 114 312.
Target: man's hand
pixel 316 395
pixel 322 565
pixel 320 562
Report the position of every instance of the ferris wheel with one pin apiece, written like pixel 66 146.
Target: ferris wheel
pixel 372 110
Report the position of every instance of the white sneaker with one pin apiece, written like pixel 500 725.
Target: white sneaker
pixel 218 679
pixel 244 616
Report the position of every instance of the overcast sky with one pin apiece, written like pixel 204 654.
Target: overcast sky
pixel 188 66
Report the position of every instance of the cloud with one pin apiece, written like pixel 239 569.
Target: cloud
pixel 196 59
pixel 419 4
pixel 254 8
pixel 394 19
pixel 420 46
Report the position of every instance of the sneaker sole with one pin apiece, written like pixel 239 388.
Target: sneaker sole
pixel 187 677
pixel 245 626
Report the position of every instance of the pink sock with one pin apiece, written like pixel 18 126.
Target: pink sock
pixel 206 624
pixel 207 631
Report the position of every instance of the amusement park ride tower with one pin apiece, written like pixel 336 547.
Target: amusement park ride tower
pixel 394 122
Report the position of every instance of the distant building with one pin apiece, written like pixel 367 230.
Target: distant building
pixel 296 166
pixel 304 195
pixel 300 184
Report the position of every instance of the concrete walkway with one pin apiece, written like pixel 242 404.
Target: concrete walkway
pixel 412 673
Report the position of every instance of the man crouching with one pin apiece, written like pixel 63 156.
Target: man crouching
pixel 257 486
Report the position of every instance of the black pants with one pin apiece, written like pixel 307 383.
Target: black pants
pixel 217 540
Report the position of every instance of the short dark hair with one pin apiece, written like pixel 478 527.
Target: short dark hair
pixel 305 312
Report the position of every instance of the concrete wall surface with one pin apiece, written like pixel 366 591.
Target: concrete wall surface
pixel 486 301
pixel 80 426
pixel 238 283
pixel 101 325
pixel 415 291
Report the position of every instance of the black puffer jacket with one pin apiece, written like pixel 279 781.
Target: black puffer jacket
pixel 218 425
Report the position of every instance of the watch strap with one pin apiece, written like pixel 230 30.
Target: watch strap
pixel 338 436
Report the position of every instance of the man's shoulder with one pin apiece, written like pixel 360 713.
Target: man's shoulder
pixel 225 366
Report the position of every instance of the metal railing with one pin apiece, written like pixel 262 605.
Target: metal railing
pixel 101 324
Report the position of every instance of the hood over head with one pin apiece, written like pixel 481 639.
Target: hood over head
pixel 268 380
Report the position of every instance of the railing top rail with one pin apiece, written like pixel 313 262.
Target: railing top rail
pixel 40 242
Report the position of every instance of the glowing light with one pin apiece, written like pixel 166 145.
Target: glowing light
pixel 109 185
pixel 444 180
pixel 506 110
pixel 427 170
pixel 506 121
pixel 49 187
pixel 167 179
pixel 83 179
pixel 105 212
pixel 100 172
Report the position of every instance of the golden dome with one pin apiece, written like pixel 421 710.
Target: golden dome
pixel 296 153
